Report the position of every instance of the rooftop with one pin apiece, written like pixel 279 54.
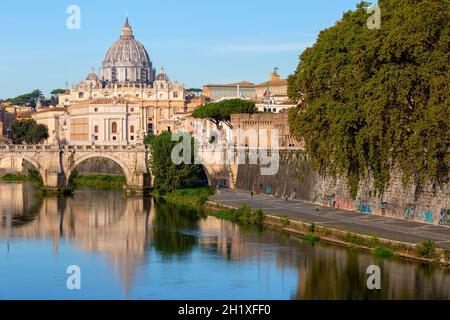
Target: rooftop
pixel 242 84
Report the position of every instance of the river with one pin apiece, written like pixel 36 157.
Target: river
pixel 140 248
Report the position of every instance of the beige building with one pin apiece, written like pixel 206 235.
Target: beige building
pixel 263 121
pixel 54 118
pixel 121 105
pixel 272 94
pixel 274 87
pixel 240 90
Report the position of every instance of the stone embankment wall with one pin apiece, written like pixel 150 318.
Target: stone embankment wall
pixel 296 179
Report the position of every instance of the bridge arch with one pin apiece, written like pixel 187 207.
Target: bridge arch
pixel 28 159
pixel 129 176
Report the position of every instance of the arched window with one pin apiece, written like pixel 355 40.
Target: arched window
pixel 114 127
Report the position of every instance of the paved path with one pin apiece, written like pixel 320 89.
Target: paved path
pixel 382 227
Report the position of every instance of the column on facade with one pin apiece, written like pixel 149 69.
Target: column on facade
pixel 122 131
pixel 105 130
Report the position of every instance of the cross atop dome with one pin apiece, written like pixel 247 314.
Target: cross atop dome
pixel 127 31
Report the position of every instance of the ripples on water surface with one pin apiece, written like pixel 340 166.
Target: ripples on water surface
pixel 142 249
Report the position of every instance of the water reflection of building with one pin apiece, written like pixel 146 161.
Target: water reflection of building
pixel 103 223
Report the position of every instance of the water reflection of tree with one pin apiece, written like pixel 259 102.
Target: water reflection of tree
pixel 336 274
pixel 171 228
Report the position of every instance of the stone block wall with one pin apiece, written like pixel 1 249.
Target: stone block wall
pixel 297 180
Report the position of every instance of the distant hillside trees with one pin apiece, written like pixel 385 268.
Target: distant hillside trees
pixel 27 98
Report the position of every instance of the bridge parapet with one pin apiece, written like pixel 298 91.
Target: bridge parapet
pixel 28 147
pixel 114 148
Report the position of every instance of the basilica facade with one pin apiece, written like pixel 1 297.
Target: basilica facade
pixel 122 104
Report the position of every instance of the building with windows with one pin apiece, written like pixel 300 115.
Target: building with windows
pixel 272 95
pixel 274 87
pixel 122 104
pixel 240 90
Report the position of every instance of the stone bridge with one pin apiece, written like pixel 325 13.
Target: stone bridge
pixel 56 163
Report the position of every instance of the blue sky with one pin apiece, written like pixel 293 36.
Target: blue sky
pixel 196 41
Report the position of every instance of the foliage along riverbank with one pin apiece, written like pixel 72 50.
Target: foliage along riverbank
pixel 191 197
pixel 97 181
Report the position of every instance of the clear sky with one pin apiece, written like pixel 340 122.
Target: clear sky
pixel 196 41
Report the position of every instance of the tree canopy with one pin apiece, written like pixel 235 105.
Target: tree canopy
pixel 378 99
pixel 196 90
pixel 28 131
pixel 221 111
pixel 58 91
pixel 169 176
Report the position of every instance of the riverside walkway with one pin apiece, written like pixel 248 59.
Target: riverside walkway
pixel 375 225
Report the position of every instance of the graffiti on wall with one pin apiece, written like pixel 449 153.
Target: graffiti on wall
pixel 383 208
pixel 410 211
pixel 328 200
pixel 365 207
pixel 427 215
pixel 260 188
pixel 444 217
pixel 344 203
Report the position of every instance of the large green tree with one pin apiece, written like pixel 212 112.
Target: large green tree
pixel 221 111
pixel 376 99
pixel 28 131
pixel 168 175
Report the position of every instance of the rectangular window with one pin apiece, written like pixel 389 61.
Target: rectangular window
pixel 132 129
pixel 96 138
pixel 131 137
pixel 95 109
pixel 175 94
pixel 95 129
pixel 131 109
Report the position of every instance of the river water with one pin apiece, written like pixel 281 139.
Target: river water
pixel 139 248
